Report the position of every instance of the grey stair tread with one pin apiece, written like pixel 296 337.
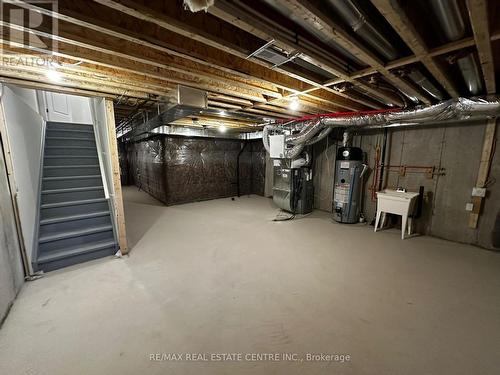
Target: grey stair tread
pixel 70 156
pixel 69 146
pixel 79 228
pixel 72 131
pixel 72 190
pixel 73 251
pixel 71 166
pixel 71 177
pixel 62 219
pixel 67 123
pixel 72 203
pixel 70 138
pixel 74 233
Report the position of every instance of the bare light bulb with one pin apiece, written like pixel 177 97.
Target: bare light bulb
pixel 294 104
pixel 54 76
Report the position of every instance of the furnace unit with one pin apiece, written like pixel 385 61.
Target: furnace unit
pixel 293 188
pixel 292 183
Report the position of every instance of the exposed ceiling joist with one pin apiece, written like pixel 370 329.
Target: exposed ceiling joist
pixel 185 53
pixel 137 51
pixel 306 10
pixel 398 19
pixel 234 15
pixel 101 51
pixel 478 13
pixel 161 19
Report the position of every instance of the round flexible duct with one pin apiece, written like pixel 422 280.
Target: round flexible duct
pixel 451 110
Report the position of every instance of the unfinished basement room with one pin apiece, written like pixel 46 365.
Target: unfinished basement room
pixel 209 187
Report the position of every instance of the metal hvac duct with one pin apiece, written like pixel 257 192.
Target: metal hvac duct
pixel 450 19
pixel 366 31
pixel 302 132
pixel 352 16
pixel 310 28
pixel 422 80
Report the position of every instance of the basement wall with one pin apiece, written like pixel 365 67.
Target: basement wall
pixel 179 170
pixel 455 148
pixel 11 269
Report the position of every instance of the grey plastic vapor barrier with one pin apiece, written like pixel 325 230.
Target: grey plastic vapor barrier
pixel 176 169
pixel 302 133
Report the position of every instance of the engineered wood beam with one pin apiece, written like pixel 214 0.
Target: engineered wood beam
pixel 105 51
pixel 189 55
pixel 33 74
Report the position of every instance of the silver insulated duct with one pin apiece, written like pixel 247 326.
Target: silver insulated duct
pixel 452 24
pixel 297 134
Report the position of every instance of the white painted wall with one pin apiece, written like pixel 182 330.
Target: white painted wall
pixel 24 131
pixel 27 95
pixel 80 109
pixel 65 108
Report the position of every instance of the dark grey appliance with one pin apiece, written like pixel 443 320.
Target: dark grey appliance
pixel 349 170
pixel 293 188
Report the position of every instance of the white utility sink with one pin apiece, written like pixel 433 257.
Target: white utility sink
pixel 398 203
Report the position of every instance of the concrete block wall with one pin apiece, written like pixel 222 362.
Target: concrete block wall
pixel 457 149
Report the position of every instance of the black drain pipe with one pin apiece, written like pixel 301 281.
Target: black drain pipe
pixel 238 168
pixel 382 161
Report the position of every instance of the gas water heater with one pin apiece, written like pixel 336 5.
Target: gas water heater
pixel 349 171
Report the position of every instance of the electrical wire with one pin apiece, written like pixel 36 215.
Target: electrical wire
pixel 281 217
pixel 289 216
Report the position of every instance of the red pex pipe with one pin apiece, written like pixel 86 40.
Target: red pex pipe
pixel 339 114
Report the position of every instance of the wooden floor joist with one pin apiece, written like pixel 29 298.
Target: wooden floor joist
pixel 397 18
pixel 146 48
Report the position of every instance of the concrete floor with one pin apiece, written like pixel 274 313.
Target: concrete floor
pixel 220 277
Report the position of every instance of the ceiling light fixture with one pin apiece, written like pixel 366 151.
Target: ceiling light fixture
pixel 294 104
pixel 54 76
pixel 222 128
